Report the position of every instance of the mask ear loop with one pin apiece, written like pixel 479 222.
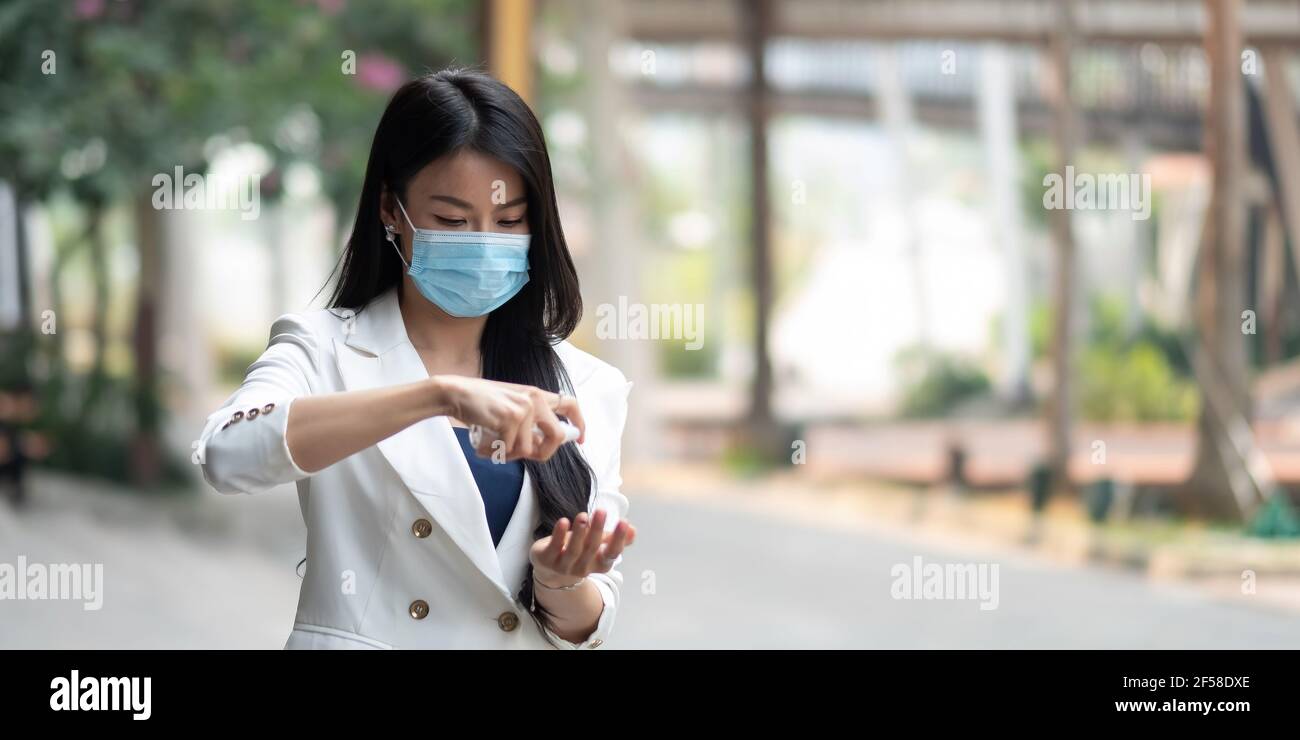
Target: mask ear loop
pixel 390 233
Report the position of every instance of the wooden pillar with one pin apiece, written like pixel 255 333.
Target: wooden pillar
pixel 508 44
pixel 1218 484
pixel 1284 140
pixel 757 28
pixel 1065 135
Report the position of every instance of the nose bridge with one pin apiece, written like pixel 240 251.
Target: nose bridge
pixel 482 221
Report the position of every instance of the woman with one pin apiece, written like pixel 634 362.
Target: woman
pixel 453 298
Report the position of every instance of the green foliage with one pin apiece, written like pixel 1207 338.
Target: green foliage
pixel 104 451
pixel 683 280
pixel 744 461
pixel 1134 383
pixel 1124 374
pixel 678 362
pixel 938 381
pixel 88 439
pixel 142 87
pixel 1277 518
pixel 232 363
pixel 1040 330
pixel 15 348
pixel 1037 157
pixel 1138 378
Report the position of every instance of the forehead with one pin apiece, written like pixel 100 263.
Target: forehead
pixel 469 175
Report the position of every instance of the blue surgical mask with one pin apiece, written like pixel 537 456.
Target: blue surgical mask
pixel 466 273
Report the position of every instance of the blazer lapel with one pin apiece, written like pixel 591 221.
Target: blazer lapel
pixel 517 540
pixel 426 456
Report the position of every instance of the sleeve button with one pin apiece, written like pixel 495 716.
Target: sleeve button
pixel 268 408
pixel 253 412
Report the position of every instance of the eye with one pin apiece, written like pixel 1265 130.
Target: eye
pixel 450 221
pixel 511 223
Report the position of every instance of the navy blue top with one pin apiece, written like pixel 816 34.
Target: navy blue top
pixel 498 483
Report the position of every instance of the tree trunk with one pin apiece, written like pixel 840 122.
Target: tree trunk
pixel 97 381
pixel 761 428
pixel 1060 408
pixel 146 450
pixel 1220 286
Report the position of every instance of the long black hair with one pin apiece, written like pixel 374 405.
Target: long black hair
pixel 440 114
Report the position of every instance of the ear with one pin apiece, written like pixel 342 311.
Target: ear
pixel 388 213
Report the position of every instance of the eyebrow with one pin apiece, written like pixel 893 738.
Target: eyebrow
pixel 462 204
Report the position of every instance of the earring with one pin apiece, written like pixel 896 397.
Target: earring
pixel 390 232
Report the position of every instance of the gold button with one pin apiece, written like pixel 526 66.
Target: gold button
pixel 508 621
pixel 268 408
pixel 237 416
pixel 596 643
pixel 421 528
pixel 419 609
pixel 253 412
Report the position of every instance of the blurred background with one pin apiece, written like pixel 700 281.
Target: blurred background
pixel 1000 283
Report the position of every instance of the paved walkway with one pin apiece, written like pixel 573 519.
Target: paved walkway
pixel 726 578
pixel 708 571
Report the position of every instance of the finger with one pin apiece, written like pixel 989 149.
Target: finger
pixel 481 438
pixel 508 428
pixel 573 553
pixel 590 541
pixel 493 447
pixel 603 562
pixel 595 537
pixel 552 433
pixel 549 436
pixel 521 424
pixel 551 555
pixel 615 544
pixel 567 406
pixel 497 450
pixel 488 441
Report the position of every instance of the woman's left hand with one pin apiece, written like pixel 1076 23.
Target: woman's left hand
pixel 565 556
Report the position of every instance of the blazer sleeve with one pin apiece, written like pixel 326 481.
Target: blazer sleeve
pixel 242 448
pixel 606 418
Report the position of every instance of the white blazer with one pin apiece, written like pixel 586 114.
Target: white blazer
pixel 399 554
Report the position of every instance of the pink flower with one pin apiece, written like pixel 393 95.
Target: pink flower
pixel 378 72
pixel 88 9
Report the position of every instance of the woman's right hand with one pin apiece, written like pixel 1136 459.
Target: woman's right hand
pixel 510 411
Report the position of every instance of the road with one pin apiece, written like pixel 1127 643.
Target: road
pixel 734 579
pixel 218 572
